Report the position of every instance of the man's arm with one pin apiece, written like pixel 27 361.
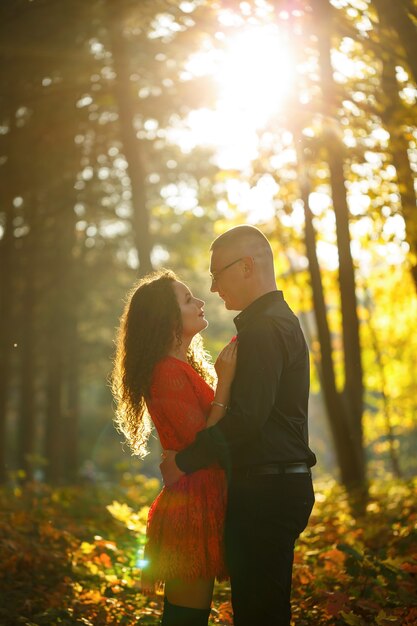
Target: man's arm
pixel 169 469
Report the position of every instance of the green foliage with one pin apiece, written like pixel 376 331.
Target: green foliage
pixel 70 556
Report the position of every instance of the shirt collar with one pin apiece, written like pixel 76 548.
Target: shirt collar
pixel 256 307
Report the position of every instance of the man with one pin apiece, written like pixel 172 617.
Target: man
pixel 262 441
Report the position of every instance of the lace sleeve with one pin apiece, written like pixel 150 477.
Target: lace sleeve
pixel 174 405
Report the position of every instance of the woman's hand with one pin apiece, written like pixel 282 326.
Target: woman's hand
pixel 147 587
pixel 225 364
pixel 225 367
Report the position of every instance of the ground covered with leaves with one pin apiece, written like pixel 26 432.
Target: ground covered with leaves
pixel 73 556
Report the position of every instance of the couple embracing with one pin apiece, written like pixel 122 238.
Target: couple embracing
pixel 236 465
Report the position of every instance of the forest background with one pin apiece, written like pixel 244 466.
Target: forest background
pixel 133 133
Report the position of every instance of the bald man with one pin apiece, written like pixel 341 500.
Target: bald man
pixel 262 441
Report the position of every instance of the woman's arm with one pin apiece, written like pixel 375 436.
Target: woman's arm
pixel 225 367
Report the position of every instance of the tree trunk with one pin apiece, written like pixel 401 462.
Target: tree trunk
pixel 6 296
pixel 26 420
pixel 72 411
pixel 131 145
pixel 386 405
pixel 396 15
pixel 63 383
pixel 391 111
pixel 353 389
pixel 53 422
pixel 347 452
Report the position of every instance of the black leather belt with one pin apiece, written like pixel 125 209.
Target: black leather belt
pixel 271 468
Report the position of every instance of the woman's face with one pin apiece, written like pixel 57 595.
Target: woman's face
pixel 192 313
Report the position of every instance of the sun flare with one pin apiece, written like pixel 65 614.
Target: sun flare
pixel 256 75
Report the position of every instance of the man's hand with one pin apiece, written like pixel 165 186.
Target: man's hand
pixel 147 587
pixel 169 469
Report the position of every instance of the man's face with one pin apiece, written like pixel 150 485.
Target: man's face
pixel 227 279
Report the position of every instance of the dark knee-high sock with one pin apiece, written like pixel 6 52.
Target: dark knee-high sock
pixel 175 615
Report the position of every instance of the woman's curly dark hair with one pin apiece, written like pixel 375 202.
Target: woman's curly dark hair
pixel 150 321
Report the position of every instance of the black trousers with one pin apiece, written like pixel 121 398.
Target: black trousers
pixel 265 515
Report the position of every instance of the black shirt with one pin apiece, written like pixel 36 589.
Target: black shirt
pixel 266 421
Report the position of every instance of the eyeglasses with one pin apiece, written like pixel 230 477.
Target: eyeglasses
pixel 215 275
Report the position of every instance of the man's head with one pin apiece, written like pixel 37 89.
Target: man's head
pixel 241 267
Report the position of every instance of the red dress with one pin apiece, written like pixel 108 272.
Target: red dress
pixel 186 520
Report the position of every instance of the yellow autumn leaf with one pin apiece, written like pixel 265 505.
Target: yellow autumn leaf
pixel 87 548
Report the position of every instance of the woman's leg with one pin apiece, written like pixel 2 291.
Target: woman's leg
pixel 196 594
pixel 187 603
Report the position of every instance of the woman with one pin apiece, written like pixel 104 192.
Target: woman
pixel 161 368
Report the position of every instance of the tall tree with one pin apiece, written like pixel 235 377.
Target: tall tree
pixel 9 189
pixel 127 106
pixel 27 411
pixel 6 286
pixel 402 16
pixel 394 116
pixel 353 388
pixel 348 452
